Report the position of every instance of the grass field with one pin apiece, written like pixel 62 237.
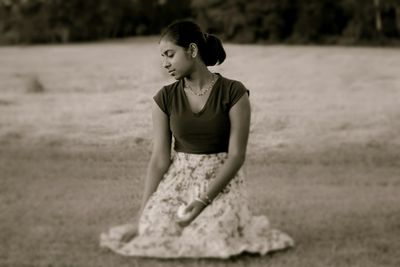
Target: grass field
pixel 323 159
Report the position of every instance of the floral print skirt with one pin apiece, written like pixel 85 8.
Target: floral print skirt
pixel 224 228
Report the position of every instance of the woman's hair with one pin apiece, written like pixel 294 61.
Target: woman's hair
pixel 185 32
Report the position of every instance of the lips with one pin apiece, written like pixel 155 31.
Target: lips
pixel 170 72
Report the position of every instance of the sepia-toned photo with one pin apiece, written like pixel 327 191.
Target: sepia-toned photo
pixel 199 133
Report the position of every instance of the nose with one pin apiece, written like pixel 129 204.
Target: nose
pixel 165 63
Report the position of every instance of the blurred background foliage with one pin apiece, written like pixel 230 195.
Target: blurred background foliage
pixel 242 21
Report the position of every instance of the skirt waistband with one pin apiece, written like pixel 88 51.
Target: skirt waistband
pixel 183 157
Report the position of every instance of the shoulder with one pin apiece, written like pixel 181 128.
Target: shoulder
pixel 233 89
pixel 169 89
pixel 231 86
pixel 228 82
pixel 164 96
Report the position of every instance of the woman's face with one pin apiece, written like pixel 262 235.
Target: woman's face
pixel 175 59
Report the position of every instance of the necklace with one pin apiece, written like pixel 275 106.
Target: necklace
pixel 205 90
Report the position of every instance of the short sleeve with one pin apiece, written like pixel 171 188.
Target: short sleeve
pixel 236 92
pixel 161 98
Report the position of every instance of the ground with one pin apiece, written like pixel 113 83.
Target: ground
pixel 323 158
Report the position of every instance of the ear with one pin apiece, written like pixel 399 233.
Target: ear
pixel 193 50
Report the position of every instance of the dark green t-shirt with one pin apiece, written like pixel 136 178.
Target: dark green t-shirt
pixel 207 131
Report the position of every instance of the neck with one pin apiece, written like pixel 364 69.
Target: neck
pixel 199 77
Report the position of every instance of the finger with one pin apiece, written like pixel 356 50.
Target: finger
pixel 127 237
pixel 189 207
pixel 183 223
pixel 191 216
pixel 187 220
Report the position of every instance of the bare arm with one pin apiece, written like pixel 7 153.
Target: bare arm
pixel 161 154
pixel 239 116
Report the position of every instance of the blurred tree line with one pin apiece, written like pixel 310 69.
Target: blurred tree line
pixel 301 21
pixel 291 21
pixel 37 21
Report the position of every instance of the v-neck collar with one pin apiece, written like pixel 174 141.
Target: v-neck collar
pixel 186 100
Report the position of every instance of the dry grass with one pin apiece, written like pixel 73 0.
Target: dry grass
pixel 34 85
pixel 323 163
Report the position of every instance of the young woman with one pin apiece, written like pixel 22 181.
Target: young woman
pixel 194 202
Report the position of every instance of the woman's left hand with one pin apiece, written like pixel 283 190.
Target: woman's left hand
pixel 193 210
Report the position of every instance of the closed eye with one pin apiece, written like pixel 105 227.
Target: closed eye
pixel 168 53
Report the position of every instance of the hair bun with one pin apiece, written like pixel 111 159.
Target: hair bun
pixel 215 52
